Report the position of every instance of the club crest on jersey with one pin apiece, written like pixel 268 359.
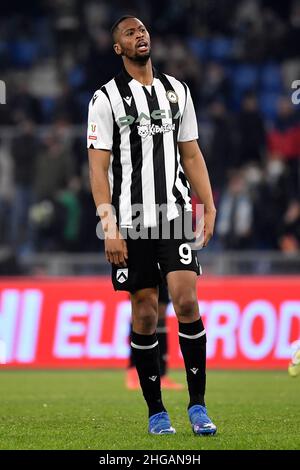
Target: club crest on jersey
pixel 152 129
pixel 172 96
pixel 122 275
pixel 93 127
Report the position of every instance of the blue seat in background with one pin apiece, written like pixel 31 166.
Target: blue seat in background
pixel 268 104
pixel 199 47
pixel 83 98
pixel 47 106
pixel 270 78
pixel 245 77
pixel 23 53
pixel 44 37
pixel 221 49
pixel 76 76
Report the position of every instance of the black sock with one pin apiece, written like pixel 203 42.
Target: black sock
pixel 145 352
pixel 161 333
pixel 192 339
pixel 131 358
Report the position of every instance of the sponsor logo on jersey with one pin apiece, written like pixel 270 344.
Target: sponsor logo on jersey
pixel 143 118
pixel 148 129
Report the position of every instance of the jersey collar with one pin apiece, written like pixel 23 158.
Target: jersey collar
pixel 128 77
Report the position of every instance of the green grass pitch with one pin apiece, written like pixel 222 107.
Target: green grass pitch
pixel 93 410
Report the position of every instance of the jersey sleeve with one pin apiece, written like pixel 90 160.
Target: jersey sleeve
pixel 100 123
pixel 189 127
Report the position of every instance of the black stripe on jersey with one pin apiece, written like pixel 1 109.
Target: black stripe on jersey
pixel 160 183
pixel 175 111
pixel 186 92
pixel 181 174
pixel 135 140
pixel 116 163
pixel 185 182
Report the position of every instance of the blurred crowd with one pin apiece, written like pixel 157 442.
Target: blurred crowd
pixel 239 59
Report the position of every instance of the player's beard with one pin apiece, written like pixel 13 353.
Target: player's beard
pixel 139 59
pixel 142 59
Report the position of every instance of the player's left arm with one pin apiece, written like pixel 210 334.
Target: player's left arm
pixel 196 172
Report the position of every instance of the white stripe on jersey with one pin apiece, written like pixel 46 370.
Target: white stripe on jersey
pixel 179 88
pixel 125 196
pixel 148 188
pixel 170 156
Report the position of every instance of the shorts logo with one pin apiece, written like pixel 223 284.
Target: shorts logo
pixel 122 275
pixel 93 127
pixel 153 378
pixel 172 96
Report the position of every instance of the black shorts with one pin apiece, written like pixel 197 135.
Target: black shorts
pixel 163 293
pixel 150 259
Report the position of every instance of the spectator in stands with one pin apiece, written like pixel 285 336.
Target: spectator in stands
pixel 6 192
pixel 89 242
pixel 54 168
pixel 270 198
pixel 289 240
pixel 24 105
pixel 250 132
pixel 284 140
pixel 221 150
pixel 215 85
pixel 235 214
pixel 24 153
pixel 66 106
pixel 69 201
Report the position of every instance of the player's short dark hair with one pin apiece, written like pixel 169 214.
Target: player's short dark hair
pixel 116 24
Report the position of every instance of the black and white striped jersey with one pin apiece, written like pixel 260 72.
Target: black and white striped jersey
pixel 141 126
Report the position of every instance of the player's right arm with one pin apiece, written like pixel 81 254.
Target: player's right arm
pixel 99 142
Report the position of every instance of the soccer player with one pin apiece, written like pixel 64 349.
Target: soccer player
pixel 132 380
pixel 144 156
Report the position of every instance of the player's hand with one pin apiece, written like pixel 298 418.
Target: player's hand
pixel 116 250
pixel 209 224
pixel 205 229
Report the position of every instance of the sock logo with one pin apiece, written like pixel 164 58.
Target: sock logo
pixel 194 370
pixel 153 378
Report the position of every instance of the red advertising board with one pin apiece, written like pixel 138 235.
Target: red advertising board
pixel 82 322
